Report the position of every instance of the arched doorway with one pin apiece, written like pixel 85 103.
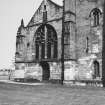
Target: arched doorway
pixel 46 42
pixel 96 69
pixel 45 71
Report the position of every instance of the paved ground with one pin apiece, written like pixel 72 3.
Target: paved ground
pixel 47 94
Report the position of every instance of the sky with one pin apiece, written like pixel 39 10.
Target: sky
pixel 11 13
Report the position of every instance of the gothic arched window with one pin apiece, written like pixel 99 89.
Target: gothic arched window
pixel 96 69
pixel 46 42
pixel 95 16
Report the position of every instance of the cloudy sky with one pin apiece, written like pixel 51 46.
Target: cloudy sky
pixel 11 13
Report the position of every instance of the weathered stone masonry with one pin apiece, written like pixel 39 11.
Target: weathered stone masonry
pixel 39 43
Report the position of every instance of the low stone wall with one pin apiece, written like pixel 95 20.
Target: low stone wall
pixel 96 83
pixel 4 75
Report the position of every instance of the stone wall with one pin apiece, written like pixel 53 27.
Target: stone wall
pixel 85 67
pixel 84 28
pixel 80 61
pixel 55 71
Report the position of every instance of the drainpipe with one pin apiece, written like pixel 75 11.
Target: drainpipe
pixel 62 46
pixel 103 47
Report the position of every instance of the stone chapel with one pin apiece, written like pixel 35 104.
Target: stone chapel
pixel 38 44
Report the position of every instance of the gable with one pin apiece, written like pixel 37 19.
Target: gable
pixel 54 11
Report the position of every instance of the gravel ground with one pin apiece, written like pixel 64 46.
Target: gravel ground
pixel 51 94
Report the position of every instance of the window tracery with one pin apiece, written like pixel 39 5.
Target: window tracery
pixel 46 42
pixel 95 16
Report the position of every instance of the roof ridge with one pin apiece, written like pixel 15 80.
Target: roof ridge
pixel 39 7
pixel 55 3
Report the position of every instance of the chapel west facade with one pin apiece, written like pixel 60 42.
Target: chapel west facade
pixel 39 43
